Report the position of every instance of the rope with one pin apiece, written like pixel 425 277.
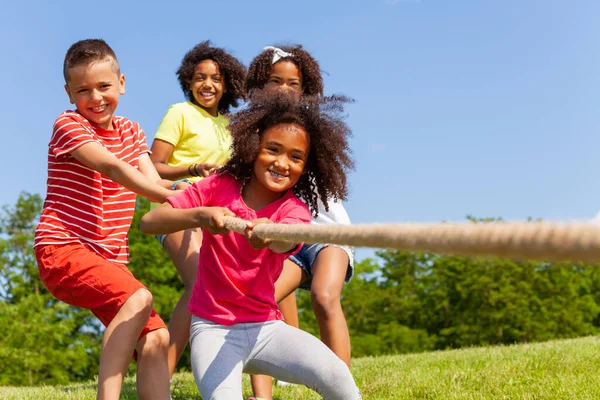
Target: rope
pixel 517 240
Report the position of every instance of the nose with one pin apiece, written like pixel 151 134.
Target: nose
pixel 207 83
pixel 96 95
pixel 281 162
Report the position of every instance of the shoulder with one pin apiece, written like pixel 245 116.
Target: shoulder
pixel 70 117
pixel 225 181
pixel 184 108
pixel 337 213
pixel 125 125
pixel 222 120
pixel 292 206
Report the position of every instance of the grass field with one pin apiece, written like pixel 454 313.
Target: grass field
pixel 567 369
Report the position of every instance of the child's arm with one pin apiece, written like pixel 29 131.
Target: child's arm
pixel 166 219
pixel 146 167
pixel 95 156
pixel 161 151
pixel 278 246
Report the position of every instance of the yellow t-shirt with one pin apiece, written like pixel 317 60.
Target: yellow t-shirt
pixel 197 136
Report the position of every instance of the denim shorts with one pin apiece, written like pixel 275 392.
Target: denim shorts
pixel 305 259
pixel 161 239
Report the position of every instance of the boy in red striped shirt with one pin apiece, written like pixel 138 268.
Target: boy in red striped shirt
pixel 97 162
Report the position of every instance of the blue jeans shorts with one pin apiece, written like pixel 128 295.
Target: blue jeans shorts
pixel 161 239
pixel 305 259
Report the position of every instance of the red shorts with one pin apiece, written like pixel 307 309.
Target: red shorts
pixel 80 277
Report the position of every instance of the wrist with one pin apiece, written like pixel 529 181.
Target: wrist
pixel 201 173
pixel 192 170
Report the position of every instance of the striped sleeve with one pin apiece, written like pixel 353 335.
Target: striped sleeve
pixel 69 134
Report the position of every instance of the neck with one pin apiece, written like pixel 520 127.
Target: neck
pixel 257 197
pixel 212 111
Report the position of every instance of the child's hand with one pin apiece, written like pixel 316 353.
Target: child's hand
pixel 257 242
pixel 207 169
pixel 213 219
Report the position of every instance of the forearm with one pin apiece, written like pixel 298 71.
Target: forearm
pixel 135 181
pixel 166 219
pixel 173 173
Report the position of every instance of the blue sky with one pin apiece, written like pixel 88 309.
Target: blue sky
pixel 480 107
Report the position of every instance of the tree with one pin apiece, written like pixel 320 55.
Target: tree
pixel 42 340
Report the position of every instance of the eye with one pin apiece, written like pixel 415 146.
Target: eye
pixel 272 149
pixel 294 84
pixel 82 91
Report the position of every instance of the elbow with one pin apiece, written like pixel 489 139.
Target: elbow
pixel 109 169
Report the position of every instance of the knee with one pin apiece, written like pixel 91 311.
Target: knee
pixel 337 382
pixel 156 341
pixel 141 300
pixel 326 301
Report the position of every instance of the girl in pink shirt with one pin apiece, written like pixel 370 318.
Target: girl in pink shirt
pixel 283 147
pixel 319 268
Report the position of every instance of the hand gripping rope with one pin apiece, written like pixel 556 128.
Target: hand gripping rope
pixel 517 240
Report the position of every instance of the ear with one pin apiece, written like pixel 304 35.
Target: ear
pixel 69 93
pixel 122 84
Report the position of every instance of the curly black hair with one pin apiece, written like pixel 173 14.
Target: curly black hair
pixel 260 69
pixel 329 157
pixel 231 68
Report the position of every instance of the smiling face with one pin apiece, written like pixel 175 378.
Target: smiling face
pixel 95 89
pixel 285 75
pixel 207 86
pixel 281 160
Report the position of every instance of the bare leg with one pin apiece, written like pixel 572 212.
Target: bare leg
pixel 289 280
pixel 152 368
pixel 119 342
pixel 329 272
pixel 183 247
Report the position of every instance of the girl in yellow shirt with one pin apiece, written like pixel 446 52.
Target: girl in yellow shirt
pixel 191 142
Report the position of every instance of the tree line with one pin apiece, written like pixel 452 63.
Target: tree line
pixel 398 302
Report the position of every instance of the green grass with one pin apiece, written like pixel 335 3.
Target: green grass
pixel 567 369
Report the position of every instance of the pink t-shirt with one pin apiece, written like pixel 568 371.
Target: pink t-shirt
pixel 236 282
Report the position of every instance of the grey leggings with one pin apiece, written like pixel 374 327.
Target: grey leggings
pixel 221 353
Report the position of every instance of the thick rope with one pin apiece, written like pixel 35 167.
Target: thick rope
pixel 516 240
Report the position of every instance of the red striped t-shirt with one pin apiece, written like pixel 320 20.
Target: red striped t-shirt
pixel 82 205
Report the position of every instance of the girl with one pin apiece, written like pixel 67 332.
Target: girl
pixel 322 269
pixel 192 140
pixel 280 144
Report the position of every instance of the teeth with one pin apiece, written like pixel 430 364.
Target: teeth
pixel 99 109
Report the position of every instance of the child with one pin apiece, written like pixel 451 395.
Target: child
pixel 320 268
pixel 97 162
pixel 280 145
pixel 192 140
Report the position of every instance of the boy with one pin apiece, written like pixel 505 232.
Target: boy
pixel 97 162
